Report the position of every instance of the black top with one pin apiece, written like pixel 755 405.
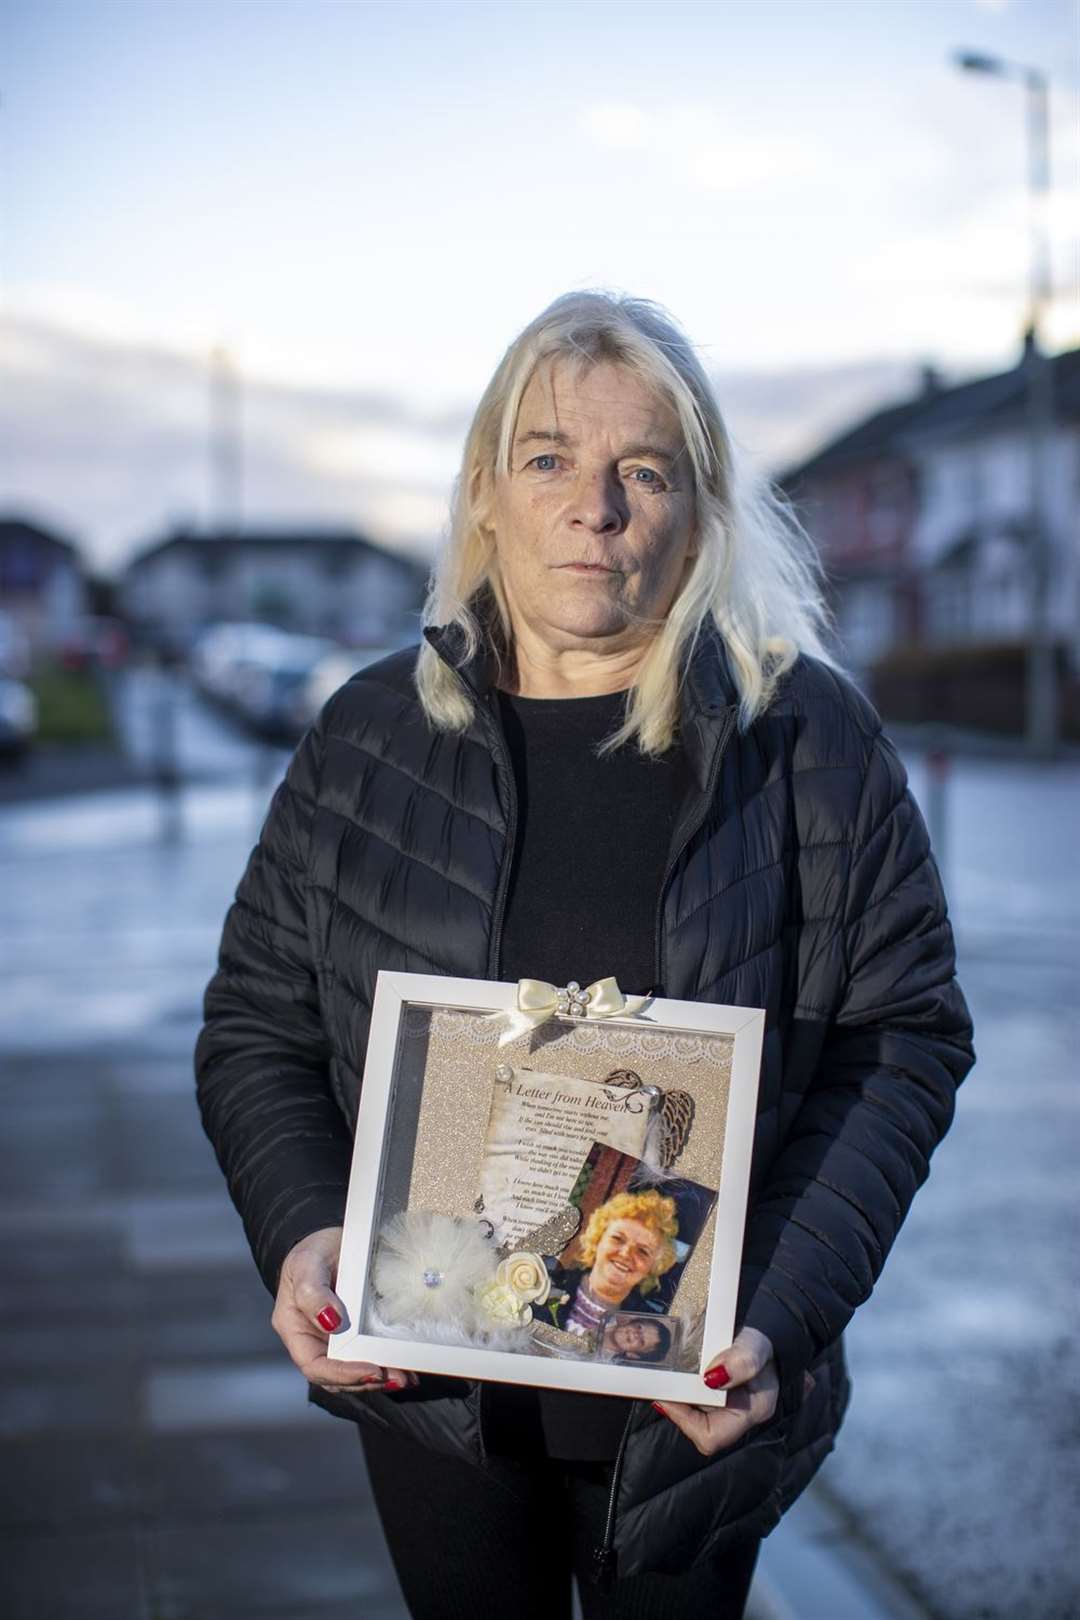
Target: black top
pixel 593 839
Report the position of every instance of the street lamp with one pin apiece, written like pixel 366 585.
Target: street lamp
pixel 1041 683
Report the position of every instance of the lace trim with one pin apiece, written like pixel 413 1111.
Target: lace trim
pixel 579 1035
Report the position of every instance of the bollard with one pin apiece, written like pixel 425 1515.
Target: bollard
pixel 938 766
pixel 165 754
pixel 264 764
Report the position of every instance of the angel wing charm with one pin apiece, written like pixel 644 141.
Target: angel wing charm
pixel 676 1119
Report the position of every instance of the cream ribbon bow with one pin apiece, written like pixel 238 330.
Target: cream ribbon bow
pixel 537 1001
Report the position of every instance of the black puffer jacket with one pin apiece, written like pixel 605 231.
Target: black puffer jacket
pixel 800 880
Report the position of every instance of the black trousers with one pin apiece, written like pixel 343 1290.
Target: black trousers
pixel 503 1541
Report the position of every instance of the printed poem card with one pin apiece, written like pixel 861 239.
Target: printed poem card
pixel 539 1130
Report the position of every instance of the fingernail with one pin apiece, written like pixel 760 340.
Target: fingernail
pixel 717 1377
pixel 658 1408
pixel 392 1385
pixel 328 1318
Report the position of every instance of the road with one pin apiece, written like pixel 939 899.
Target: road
pixel 161 1461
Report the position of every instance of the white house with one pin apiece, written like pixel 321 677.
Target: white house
pixel 335 584
pixel 43 594
pixel 921 515
pixel 971 540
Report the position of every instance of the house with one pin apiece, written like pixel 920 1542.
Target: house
pixel 973 540
pixel 922 517
pixel 336 584
pixel 858 497
pixel 43 589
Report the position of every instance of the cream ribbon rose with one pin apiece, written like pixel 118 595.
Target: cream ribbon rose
pixel 521 1281
pixel 527 1275
pixel 498 1303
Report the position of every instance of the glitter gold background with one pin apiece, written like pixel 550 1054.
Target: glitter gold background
pixel 454 1055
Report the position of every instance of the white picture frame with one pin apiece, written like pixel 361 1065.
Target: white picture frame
pixel 395 994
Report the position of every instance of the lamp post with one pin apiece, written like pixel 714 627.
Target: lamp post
pixel 1041 684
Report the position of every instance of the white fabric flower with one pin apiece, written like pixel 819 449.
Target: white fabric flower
pixel 426 1267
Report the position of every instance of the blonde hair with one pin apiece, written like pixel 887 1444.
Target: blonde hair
pixel 754 573
pixel 652 1209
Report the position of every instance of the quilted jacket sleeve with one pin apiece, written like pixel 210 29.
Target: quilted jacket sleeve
pixel 896 1048
pixel 262 1056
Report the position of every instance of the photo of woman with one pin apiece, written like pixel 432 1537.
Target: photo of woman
pixel 637 1233
pixel 630 1339
pixel 626 1247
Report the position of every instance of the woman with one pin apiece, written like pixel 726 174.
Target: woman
pixel 622 658
pixel 625 1249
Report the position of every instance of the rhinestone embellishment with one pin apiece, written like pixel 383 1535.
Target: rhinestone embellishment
pixel 572 1001
pixel 432 1278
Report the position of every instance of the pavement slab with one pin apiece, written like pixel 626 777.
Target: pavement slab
pixel 251 1470
pixel 54 1484
pixel 89 1575
pixel 265 1562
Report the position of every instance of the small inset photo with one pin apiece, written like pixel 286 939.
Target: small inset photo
pixel 638 1338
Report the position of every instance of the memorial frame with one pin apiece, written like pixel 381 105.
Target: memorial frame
pixel 417 1119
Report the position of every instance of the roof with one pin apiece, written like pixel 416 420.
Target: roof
pixel 31 534
pixel 225 542
pixel 969 408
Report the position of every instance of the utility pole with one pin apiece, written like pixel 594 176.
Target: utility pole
pixel 1041 693
pixel 1042 696
pixel 226 444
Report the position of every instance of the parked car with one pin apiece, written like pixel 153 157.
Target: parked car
pixel 221 655
pixel 14 648
pixel 259 674
pixel 271 694
pixel 18 717
pixel 333 671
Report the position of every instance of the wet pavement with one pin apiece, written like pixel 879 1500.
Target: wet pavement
pixel 960 1459
pixel 160 1461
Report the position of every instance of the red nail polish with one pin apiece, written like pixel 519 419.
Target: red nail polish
pixel 717 1377
pixel 328 1318
pixel 392 1386
pixel 658 1408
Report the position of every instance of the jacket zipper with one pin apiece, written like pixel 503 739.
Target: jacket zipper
pixel 498 909
pixel 605 1559
pixel 684 837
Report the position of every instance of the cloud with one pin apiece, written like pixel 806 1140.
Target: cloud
pixel 780 416
pixel 619 125
pixel 701 147
pixel 362 449
pixel 109 442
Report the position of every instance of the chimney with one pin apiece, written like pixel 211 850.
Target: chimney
pixel 931 381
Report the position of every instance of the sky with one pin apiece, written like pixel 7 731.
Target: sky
pixel 363 202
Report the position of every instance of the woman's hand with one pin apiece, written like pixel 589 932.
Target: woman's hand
pixel 307 1311
pixel 754 1389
